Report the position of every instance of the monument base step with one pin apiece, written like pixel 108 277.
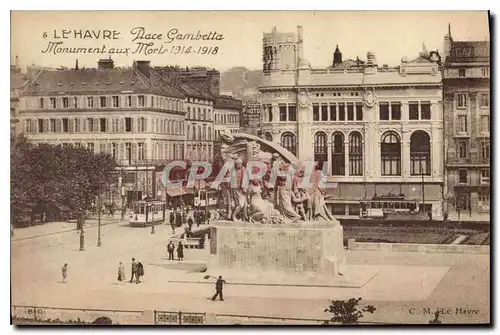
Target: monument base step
pixel 354 276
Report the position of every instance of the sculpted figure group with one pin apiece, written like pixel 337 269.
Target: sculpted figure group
pixel 264 200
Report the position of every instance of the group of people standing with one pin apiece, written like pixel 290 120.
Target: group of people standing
pixel 171 250
pixel 137 272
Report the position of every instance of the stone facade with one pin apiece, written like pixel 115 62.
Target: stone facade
pixel 347 114
pixel 466 86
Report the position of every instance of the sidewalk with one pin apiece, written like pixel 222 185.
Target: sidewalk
pixel 60 227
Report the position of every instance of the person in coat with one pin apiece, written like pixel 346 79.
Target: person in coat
pixel 180 251
pixel 219 284
pixel 172 221
pixel 134 270
pixel 121 272
pixel 140 272
pixel 170 250
pixel 64 272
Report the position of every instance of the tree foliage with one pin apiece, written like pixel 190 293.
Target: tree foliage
pixel 347 312
pixel 53 179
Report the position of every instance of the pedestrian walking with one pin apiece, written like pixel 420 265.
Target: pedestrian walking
pixel 134 270
pixel 140 272
pixel 170 250
pixel 180 251
pixel 121 272
pixel 64 272
pixel 190 222
pixel 219 284
pixel 209 216
pixel 172 221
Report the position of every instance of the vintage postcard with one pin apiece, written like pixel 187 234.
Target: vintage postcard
pixel 250 167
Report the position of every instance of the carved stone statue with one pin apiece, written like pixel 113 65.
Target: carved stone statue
pixel 262 201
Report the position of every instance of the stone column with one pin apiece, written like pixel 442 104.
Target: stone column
pixel 305 137
pixel 346 156
pixel 329 155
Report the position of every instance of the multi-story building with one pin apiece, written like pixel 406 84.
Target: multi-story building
pixel 379 129
pixel 251 122
pixel 227 115
pixel 128 113
pixel 18 82
pixel 466 92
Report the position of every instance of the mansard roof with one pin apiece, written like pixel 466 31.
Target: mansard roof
pixel 92 81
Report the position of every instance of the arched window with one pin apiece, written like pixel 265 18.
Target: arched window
pixel 320 147
pixel 270 113
pixel 420 153
pixel 288 142
pixel 355 154
pixel 338 154
pixel 268 137
pixel 390 153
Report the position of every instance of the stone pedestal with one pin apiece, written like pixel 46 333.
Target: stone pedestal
pixel 293 254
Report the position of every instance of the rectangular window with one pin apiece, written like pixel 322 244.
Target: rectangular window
pixel 65 102
pixel 485 176
pixel 485 150
pixel 114 150
pixel 462 100
pixel 462 123
pixel 40 126
pixel 461 72
pixel 102 101
pixel 315 112
pixel 129 101
pixel 90 146
pixel 282 109
pixel 292 113
pixel 341 112
pixel 485 72
pixel 413 111
pixel 462 176
pixel 102 125
pixel 462 149
pixel 140 151
pixel 333 112
pixel 128 151
pixel 65 125
pixel 116 101
pixel 189 113
pixel 75 100
pixel 141 100
pixel 77 125
pixel 90 125
pixel 359 112
pixel 324 113
pixel 40 103
pixel 52 128
pixel 128 124
pixel 484 100
pixel 350 112
pixel 395 111
pixel 484 126
pixel 52 102
pixel 90 102
pixel 425 110
pixel 384 111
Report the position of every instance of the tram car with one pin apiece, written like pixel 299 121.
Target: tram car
pixel 388 207
pixel 144 213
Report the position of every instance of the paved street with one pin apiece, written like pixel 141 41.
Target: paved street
pixel 37 262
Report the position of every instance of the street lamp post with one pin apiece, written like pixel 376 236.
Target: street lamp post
pixel 99 218
pixel 152 220
pixel 82 235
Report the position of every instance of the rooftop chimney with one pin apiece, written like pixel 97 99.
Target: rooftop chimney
pixel 144 67
pixel 105 64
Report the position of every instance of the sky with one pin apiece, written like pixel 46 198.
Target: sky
pixel 390 35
